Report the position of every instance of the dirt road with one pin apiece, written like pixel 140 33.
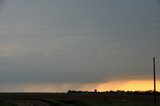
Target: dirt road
pixel 26 103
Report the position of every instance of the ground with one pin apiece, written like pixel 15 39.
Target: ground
pixel 65 99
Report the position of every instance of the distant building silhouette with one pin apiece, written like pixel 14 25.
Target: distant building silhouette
pixel 95 91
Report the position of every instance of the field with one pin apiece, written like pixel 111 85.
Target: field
pixel 75 99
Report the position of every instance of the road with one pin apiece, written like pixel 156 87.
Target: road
pixel 26 103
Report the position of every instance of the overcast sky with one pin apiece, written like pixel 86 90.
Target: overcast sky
pixel 78 41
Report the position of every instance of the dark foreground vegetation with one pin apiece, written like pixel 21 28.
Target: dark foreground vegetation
pixel 80 98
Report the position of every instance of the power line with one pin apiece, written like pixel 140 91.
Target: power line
pixel 103 49
pixel 85 26
pixel 86 33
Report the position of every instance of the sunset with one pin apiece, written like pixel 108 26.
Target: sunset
pixel 82 46
pixel 130 85
pixel 135 85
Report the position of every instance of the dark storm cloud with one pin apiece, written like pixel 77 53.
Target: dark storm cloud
pixel 1 4
pixel 78 40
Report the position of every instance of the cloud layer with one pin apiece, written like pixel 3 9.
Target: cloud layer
pixel 78 41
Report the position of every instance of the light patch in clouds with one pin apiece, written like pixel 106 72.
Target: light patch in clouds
pixel 7 50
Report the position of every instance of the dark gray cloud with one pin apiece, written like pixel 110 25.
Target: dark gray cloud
pixel 1 2
pixel 78 40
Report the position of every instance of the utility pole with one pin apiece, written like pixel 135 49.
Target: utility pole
pixel 154 76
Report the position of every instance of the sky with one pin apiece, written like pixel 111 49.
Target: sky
pixel 57 45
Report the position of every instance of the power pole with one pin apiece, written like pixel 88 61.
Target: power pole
pixel 154 76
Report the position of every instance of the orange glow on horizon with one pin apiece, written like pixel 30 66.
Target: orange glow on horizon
pixel 133 85
pixel 130 85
